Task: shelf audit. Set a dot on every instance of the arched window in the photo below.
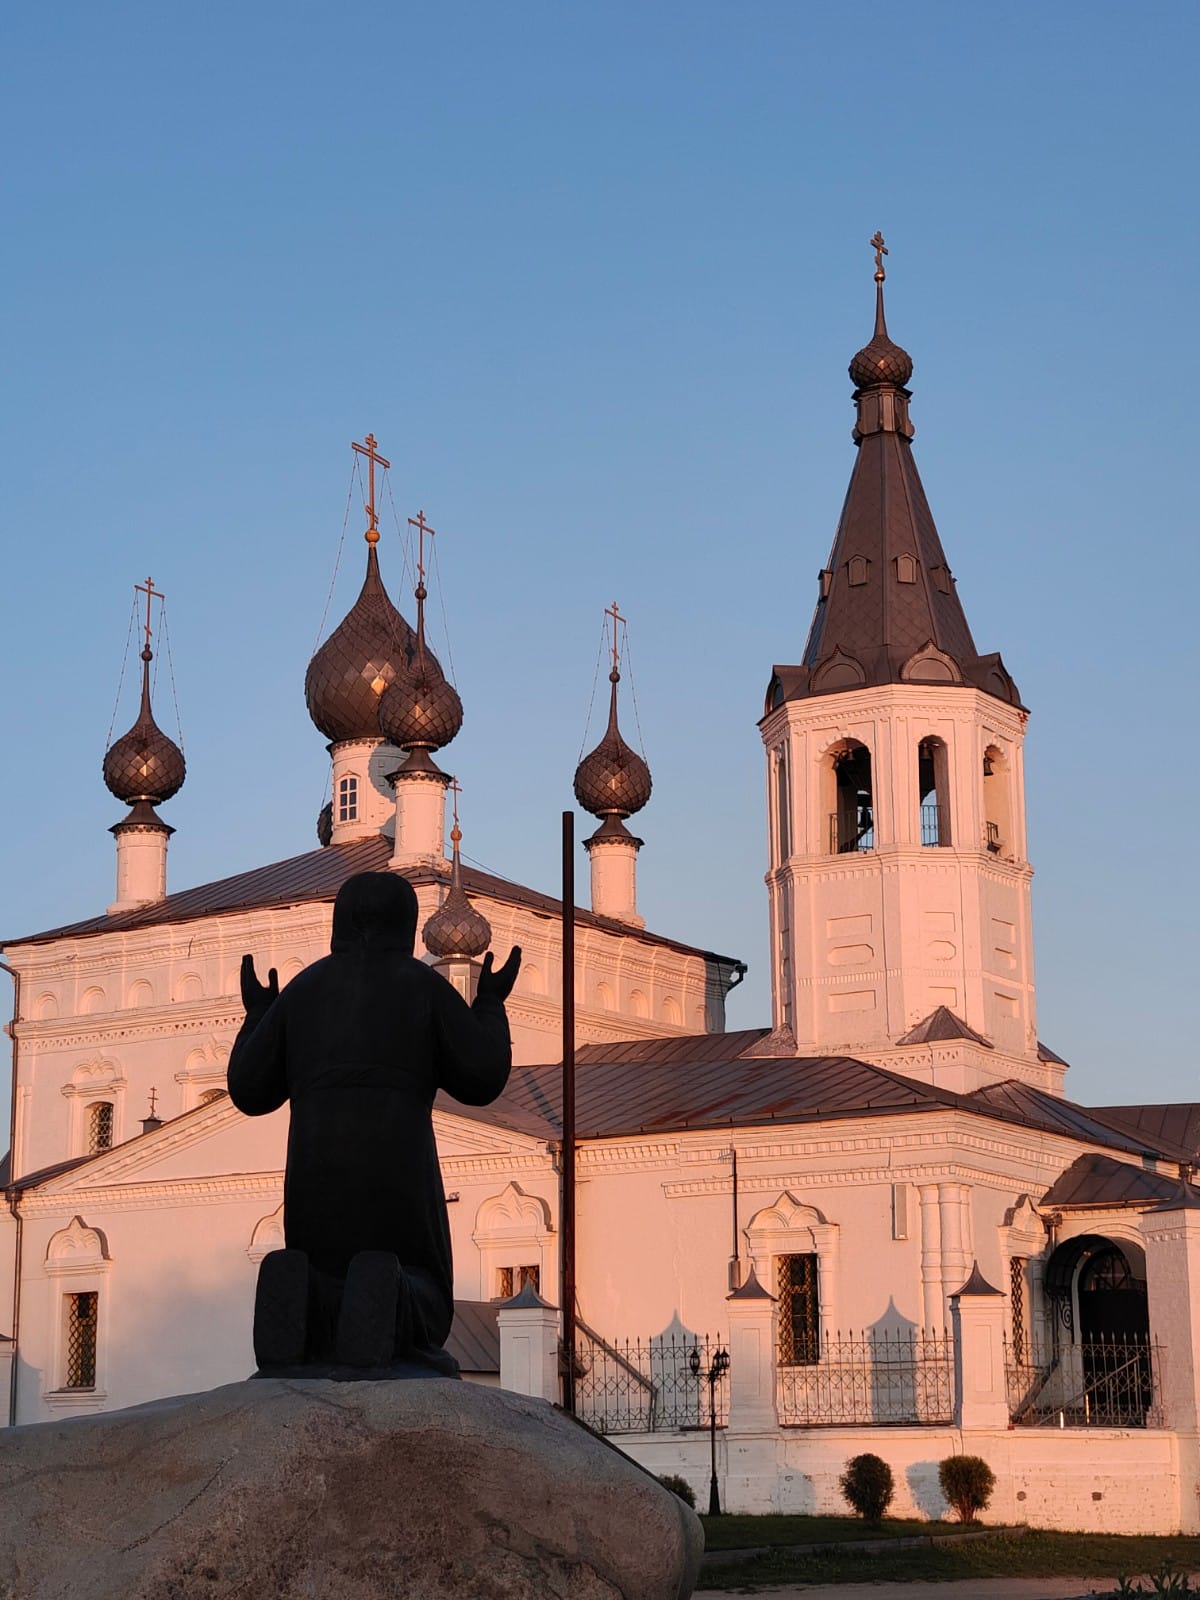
(933, 785)
(347, 801)
(852, 821)
(782, 804)
(99, 1127)
(996, 789)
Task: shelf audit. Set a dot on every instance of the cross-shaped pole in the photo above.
(418, 522)
(373, 457)
(880, 250)
(456, 790)
(611, 611)
(151, 594)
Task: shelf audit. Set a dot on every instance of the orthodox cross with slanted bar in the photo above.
(373, 459)
(418, 522)
(151, 594)
(611, 611)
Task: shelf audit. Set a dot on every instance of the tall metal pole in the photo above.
(567, 1206)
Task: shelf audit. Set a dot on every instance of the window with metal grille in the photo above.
(100, 1127)
(511, 1280)
(348, 800)
(1016, 1303)
(799, 1311)
(82, 1317)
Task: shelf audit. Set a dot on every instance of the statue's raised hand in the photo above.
(257, 996)
(498, 984)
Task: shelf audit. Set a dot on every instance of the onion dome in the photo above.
(420, 709)
(144, 764)
(325, 825)
(348, 675)
(880, 362)
(456, 930)
(613, 780)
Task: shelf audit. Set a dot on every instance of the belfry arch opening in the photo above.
(933, 791)
(997, 810)
(850, 798)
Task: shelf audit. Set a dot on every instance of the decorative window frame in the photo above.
(100, 1079)
(77, 1262)
(513, 1229)
(267, 1235)
(204, 1068)
(788, 1227)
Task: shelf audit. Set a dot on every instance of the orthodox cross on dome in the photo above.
(455, 790)
(615, 615)
(154, 1102)
(880, 250)
(151, 594)
(373, 459)
(418, 522)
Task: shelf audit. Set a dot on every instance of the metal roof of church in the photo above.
(318, 875)
(1176, 1123)
(658, 1086)
(1096, 1180)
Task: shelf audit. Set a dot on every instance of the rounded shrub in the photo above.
(868, 1486)
(967, 1482)
(679, 1486)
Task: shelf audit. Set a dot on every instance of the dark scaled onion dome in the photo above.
(420, 709)
(364, 653)
(325, 825)
(456, 929)
(613, 779)
(144, 764)
(881, 362)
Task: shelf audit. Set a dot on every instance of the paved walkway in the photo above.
(968, 1589)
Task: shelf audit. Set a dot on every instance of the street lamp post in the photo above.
(718, 1369)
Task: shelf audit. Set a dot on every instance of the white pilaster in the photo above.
(612, 851)
(420, 813)
(529, 1346)
(142, 840)
(977, 1319)
(1172, 1235)
(751, 1358)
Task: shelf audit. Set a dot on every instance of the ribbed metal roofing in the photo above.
(1176, 1124)
(1096, 1180)
(658, 1086)
(474, 1339)
(318, 875)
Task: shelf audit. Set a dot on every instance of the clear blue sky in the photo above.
(592, 274)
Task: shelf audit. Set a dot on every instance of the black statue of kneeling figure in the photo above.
(360, 1043)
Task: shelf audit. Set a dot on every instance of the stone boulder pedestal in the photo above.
(304, 1489)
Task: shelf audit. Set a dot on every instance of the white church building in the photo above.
(881, 1203)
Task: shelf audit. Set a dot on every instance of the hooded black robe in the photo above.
(360, 1042)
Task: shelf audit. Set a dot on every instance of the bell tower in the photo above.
(898, 880)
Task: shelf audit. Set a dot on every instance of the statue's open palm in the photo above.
(257, 996)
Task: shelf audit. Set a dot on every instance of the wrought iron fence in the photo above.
(640, 1386)
(1098, 1383)
(873, 1377)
